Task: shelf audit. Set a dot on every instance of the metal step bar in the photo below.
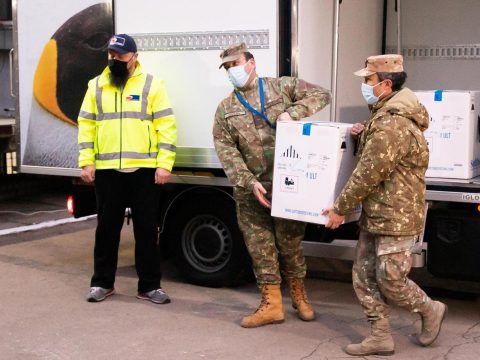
(345, 250)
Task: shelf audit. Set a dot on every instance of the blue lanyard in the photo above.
(262, 103)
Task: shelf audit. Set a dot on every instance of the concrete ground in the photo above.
(44, 315)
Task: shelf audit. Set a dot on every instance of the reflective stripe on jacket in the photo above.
(133, 127)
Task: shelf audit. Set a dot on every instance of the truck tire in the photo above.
(208, 246)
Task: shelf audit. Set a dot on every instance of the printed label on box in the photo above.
(289, 183)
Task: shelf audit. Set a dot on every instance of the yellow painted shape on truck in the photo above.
(45, 81)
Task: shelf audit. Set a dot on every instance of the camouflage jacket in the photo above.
(244, 142)
(389, 180)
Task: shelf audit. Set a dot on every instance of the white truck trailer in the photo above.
(59, 46)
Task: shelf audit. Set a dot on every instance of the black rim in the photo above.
(207, 243)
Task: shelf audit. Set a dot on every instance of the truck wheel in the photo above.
(209, 247)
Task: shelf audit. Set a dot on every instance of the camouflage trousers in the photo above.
(380, 271)
(274, 244)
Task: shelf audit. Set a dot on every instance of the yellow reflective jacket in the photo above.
(133, 127)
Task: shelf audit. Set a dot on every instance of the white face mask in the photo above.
(238, 76)
(368, 95)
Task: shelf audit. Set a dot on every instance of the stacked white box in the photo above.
(313, 161)
(452, 135)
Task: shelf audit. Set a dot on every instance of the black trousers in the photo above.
(115, 191)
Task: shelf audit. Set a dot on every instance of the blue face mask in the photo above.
(368, 95)
(238, 76)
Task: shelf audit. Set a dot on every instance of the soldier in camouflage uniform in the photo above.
(244, 137)
(389, 182)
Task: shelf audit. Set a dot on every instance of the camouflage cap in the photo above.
(389, 63)
(232, 53)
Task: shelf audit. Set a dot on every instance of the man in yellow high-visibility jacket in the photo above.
(127, 141)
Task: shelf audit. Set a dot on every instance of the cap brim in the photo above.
(229, 58)
(364, 72)
(118, 49)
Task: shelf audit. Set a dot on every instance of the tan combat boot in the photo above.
(300, 300)
(270, 310)
(433, 314)
(380, 341)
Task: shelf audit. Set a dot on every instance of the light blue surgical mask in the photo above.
(238, 76)
(368, 95)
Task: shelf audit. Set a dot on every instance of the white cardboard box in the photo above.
(313, 161)
(452, 135)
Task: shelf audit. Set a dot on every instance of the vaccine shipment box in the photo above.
(452, 135)
(313, 161)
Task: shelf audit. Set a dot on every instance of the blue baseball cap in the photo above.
(122, 43)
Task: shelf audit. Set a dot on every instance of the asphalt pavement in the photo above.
(26, 201)
(44, 314)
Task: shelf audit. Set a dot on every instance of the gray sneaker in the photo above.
(97, 293)
(157, 296)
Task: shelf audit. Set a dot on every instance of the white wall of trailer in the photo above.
(194, 83)
(190, 74)
(429, 27)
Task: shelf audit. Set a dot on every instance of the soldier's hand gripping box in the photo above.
(452, 134)
(313, 161)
